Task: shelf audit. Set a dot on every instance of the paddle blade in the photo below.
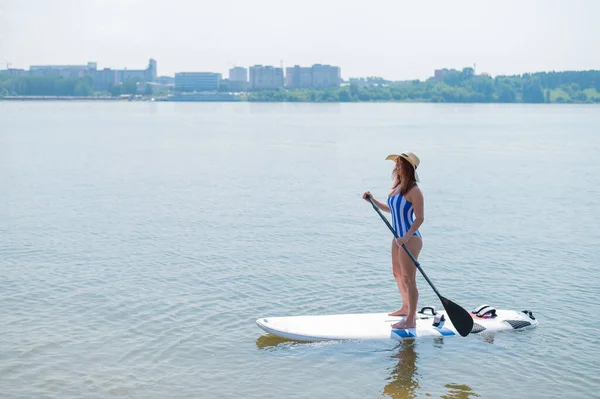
(460, 318)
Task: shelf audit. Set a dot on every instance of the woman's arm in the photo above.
(381, 205)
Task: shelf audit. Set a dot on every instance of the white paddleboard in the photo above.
(379, 325)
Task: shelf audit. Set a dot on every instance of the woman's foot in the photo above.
(404, 324)
(400, 312)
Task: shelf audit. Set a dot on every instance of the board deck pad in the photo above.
(379, 326)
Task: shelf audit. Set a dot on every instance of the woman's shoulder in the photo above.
(414, 191)
(415, 187)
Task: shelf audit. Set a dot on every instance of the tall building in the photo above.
(266, 77)
(197, 81)
(317, 76)
(298, 77)
(105, 79)
(238, 79)
(324, 76)
(238, 74)
(151, 71)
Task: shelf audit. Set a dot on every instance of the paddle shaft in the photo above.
(417, 264)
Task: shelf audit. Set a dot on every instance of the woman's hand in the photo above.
(378, 204)
(402, 241)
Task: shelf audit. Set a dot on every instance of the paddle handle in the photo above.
(417, 264)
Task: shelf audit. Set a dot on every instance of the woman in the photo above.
(405, 203)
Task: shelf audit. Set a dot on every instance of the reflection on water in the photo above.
(403, 381)
(404, 378)
(457, 391)
(487, 338)
(269, 341)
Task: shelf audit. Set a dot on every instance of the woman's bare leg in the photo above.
(409, 275)
(397, 269)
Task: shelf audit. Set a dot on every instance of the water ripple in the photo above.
(141, 241)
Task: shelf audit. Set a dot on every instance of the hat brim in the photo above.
(394, 157)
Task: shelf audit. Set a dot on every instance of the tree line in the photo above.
(57, 86)
(454, 86)
(45, 86)
(458, 87)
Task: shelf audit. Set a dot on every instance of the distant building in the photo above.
(165, 80)
(64, 71)
(138, 75)
(369, 82)
(317, 76)
(236, 86)
(13, 72)
(238, 74)
(154, 88)
(197, 81)
(298, 77)
(326, 76)
(103, 79)
(266, 78)
(359, 82)
(151, 71)
(439, 74)
(238, 79)
(125, 75)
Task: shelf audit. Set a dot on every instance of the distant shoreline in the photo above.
(448, 86)
(239, 100)
(60, 98)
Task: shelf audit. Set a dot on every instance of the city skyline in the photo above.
(390, 39)
(140, 66)
(94, 65)
(225, 74)
(240, 79)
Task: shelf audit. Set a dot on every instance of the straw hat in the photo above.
(411, 157)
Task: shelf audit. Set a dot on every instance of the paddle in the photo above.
(460, 318)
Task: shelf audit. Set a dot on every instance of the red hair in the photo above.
(403, 175)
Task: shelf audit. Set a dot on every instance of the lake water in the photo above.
(139, 242)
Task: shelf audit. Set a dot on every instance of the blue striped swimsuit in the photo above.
(403, 215)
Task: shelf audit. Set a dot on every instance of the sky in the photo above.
(397, 40)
